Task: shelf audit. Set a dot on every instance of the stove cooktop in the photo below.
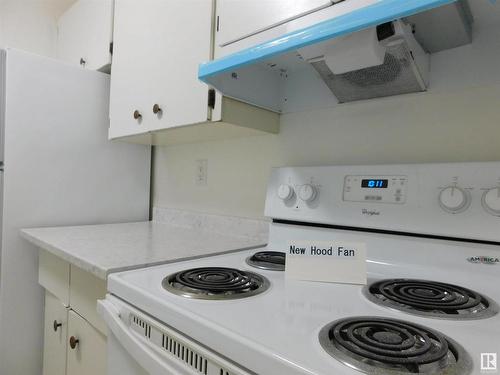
(277, 332)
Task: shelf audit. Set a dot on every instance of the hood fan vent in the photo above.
(398, 74)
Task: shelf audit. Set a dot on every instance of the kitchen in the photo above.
(211, 188)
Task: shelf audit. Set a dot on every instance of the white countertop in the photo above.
(103, 249)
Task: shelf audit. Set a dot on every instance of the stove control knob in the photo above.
(454, 199)
(308, 193)
(285, 192)
(491, 201)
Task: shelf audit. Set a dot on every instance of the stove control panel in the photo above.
(375, 189)
(460, 200)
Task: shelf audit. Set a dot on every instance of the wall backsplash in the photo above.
(235, 226)
(459, 125)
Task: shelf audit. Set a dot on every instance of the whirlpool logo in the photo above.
(484, 260)
(370, 213)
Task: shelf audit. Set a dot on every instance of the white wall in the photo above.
(458, 119)
(462, 126)
(31, 25)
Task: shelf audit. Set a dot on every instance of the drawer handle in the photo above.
(73, 342)
(157, 109)
(137, 115)
(56, 325)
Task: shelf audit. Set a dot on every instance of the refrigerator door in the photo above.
(60, 169)
(2, 101)
(1, 216)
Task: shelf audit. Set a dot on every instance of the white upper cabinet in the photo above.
(158, 45)
(85, 34)
(237, 19)
(156, 96)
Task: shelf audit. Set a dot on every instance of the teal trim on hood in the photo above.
(369, 16)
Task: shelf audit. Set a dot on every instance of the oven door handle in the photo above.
(152, 362)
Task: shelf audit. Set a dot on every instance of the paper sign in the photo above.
(328, 261)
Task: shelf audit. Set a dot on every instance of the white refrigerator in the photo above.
(58, 169)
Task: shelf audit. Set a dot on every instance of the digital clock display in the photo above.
(374, 184)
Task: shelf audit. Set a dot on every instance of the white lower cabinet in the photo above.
(85, 290)
(86, 348)
(74, 335)
(55, 335)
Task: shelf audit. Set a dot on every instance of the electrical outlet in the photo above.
(201, 177)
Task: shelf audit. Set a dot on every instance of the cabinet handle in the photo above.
(156, 109)
(56, 325)
(137, 115)
(73, 342)
(82, 61)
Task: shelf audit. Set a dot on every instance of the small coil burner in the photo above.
(268, 260)
(430, 299)
(375, 345)
(216, 283)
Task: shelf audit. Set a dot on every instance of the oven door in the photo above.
(127, 353)
(120, 361)
(138, 344)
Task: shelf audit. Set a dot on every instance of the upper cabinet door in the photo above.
(131, 70)
(85, 32)
(238, 19)
(158, 45)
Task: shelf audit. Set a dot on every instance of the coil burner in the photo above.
(215, 283)
(430, 299)
(268, 260)
(376, 345)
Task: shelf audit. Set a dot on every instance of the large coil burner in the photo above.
(216, 283)
(430, 299)
(376, 345)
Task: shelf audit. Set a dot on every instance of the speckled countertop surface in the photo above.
(103, 249)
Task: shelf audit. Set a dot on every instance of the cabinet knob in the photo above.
(156, 109)
(82, 61)
(137, 115)
(56, 325)
(73, 342)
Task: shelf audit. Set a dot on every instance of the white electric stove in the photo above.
(432, 234)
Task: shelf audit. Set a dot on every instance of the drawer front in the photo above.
(53, 275)
(85, 290)
(55, 336)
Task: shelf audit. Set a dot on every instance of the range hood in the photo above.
(374, 51)
(377, 62)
